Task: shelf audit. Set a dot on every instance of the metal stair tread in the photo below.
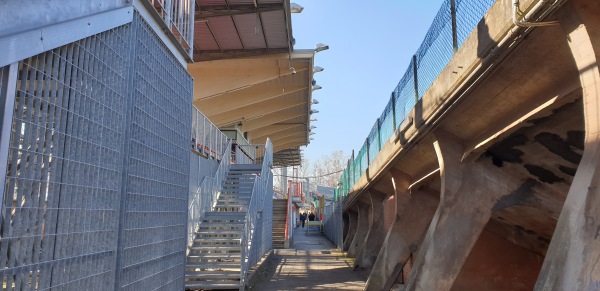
(219, 231)
(213, 265)
(217, 248)
(215, 255)
(212, 285)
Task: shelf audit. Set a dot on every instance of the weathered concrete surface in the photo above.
(492, 260)
(376, 234)
(352, 215)
(522, 168)
(574, 252)
(468, 194)
(362, 227)
(403, 238)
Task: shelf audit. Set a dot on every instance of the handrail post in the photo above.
(393, 100)
(415, 78)
(454, 27)
(379, 133)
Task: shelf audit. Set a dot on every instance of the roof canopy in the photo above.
(261, 96)
(240, 28)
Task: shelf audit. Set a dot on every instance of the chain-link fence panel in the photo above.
(468, 15)
(436, 50)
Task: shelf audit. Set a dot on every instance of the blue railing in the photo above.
(453, 23)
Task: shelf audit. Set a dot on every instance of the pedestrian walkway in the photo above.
(313, 263)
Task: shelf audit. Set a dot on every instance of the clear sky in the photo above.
(371, 44)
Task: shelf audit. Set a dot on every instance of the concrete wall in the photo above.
(508, 137)
(495, 263)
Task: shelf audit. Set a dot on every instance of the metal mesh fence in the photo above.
(468, 15)
(404, 94)
(441, 40)
(98, 161)
(63, 184)
(373, 143)
(436, 50)
(333, 223)
(386, 122)
(155, 215)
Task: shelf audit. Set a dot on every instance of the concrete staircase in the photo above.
(279, 218)
(214, 261)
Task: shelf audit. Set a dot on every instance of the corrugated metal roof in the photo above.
(238, 28)
(225, 32)
(250, 31)
(238, 2)
(276, 36)
(203, 39)
(210, 2)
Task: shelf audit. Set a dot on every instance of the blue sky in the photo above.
(371, 44)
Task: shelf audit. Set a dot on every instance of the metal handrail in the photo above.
(255, 238)
(178, 17)
(207, 195)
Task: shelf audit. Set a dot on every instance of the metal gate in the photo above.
(96, 176)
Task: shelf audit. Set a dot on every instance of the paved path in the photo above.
(312, 264)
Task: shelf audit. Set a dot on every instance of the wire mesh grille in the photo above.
(98, 175)
(155, 222)
(436, 50)
(59, 215)
(373, 142)
(468, 15)
(386, 123)
(405, 94)
(434, 54)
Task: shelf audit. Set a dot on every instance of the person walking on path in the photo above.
(311, 216)
(302, 218)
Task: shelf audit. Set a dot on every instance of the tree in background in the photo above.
(326, 171)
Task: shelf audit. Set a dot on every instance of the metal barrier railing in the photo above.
(95, 165)
(205, 197)
(333, 223)
(178, 16)
(256, 237)
(455, 20)
(207, 139)
(249, 154)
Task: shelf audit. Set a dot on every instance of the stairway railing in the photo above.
(256, 236)
(207, 195)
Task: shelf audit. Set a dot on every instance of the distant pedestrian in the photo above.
(302, 218)
(311, 216)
